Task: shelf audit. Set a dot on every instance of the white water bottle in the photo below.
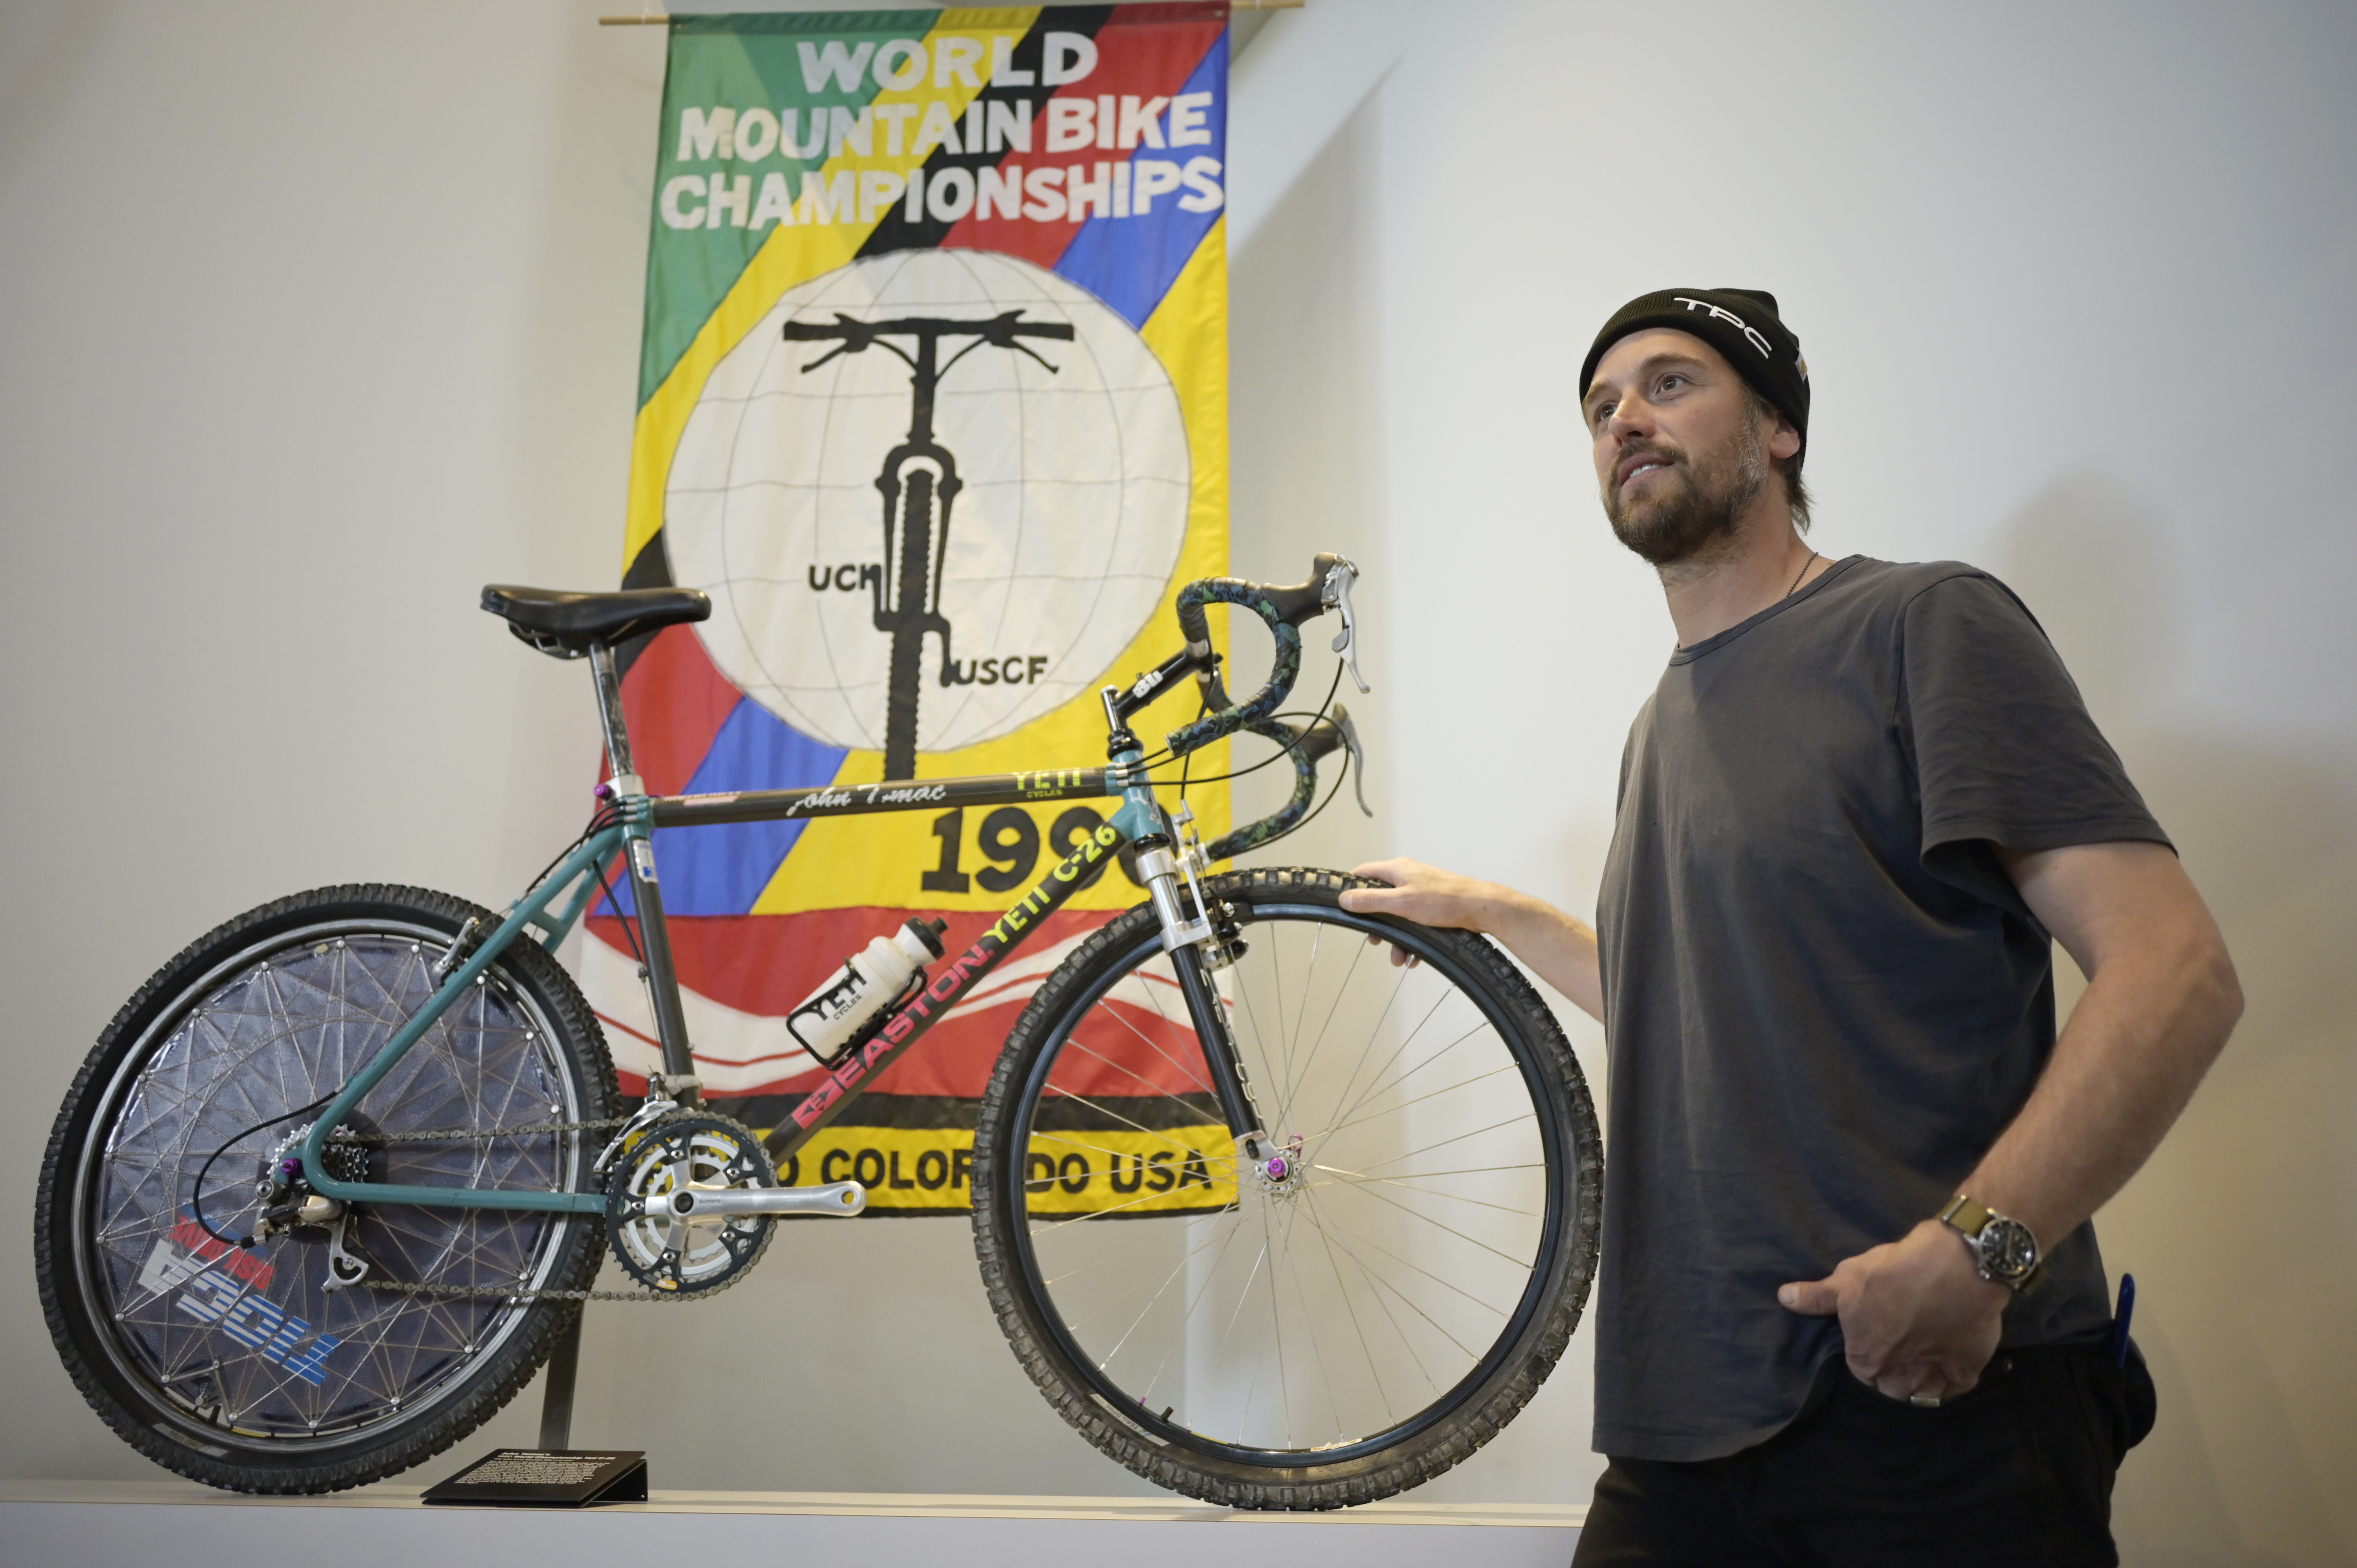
(830, 1016)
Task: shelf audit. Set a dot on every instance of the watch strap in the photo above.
(1967, 1216)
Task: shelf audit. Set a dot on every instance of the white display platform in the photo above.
(189, 1526)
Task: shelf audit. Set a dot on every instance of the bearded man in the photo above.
(1851, 1309)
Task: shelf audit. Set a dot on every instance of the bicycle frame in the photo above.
(1140, 819)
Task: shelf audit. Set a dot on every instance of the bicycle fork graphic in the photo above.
(919, 484)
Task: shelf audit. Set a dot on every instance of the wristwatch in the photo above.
(2002, 1247)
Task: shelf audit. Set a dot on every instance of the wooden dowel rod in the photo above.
(662, 18)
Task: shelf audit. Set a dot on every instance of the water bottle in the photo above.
(831, 1016)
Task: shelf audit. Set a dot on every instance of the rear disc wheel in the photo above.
(239, 1366)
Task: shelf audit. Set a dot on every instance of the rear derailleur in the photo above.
(288, 1204)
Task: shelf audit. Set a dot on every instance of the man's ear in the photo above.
(1786, 439)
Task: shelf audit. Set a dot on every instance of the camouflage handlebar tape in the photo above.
(1286, 818)
(1283, 672)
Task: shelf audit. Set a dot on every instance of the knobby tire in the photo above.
(234, 1366)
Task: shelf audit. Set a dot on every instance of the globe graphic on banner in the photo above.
(1010, 554)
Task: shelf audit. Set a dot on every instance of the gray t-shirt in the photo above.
(1824, 997)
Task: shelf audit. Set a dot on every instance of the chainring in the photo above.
(667, 1252)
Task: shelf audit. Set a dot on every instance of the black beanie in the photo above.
(1740, 323)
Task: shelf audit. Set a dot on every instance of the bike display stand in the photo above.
(554, 1475)
(556, 1398)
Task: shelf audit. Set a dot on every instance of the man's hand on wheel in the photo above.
(1917, 1319)
(1426, 895)
(1561, 949)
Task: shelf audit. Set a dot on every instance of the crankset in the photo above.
(688, 1205)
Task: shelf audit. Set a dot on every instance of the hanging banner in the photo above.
(933, 405)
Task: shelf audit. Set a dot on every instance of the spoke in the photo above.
(1145, 1242)
(1067, 1141)
(1294, 1086)
(1177, 1269)
(1377, 1284)
(1433, 1094)
(1130, 1122)
(1444, 1142)
(1425, 1175)
(1309, 985)
(1439, 1225)
(1310, 1324)
(1343, 1290)
(1093, 1053)
(1399, 985)
(1352, 1179)
(1243, 995)
(1243, 1296)
(1277, 970)
(1277, 1329)
(1378, 1084)
(1174, 1026)
(1106, 1005)
(1404, 1299)
(1039, 1228)
(1212, 1273)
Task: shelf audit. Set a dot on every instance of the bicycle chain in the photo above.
(470, 1135)
(450, 1292)
(465, 1292)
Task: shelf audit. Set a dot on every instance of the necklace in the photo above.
(1803, 571)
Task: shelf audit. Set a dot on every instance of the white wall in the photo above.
(315, 318)
(2068, 279)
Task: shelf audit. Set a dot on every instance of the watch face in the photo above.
(2006, 1247)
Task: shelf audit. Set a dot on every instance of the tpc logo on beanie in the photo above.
(1740, 323)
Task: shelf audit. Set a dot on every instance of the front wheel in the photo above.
(242, 1366)
(1330, 1327)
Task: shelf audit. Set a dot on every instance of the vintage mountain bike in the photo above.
(1269, 1219)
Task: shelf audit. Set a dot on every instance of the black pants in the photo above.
(2017, 1471)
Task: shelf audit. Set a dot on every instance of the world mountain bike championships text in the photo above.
(1047, 191)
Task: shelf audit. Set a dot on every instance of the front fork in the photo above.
(1166, 864)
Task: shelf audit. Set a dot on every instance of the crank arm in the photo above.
(842, 1198)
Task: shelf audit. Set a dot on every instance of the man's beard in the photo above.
(1697, 517)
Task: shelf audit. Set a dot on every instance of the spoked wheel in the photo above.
(1337, 1324)
(239, 1366)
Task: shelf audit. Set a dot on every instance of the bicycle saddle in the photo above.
(567, 626)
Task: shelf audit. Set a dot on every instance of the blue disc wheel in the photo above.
(247, 1366)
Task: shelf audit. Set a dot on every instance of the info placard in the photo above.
(533, 1477)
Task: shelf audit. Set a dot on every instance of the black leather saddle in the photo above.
(567, 626)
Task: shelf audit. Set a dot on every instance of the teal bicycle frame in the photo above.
(1140, 820)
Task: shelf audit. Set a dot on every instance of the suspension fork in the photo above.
(1142, 821)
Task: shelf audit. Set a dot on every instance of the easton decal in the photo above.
(218, 1286)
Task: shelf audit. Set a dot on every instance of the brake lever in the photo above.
(1335, 593)
(1342, 720)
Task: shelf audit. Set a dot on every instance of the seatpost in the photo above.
(610, 714)
(646, 894)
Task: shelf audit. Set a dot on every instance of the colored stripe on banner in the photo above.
(1130, 256)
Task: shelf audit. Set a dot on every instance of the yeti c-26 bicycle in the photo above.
(1269, 1219)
